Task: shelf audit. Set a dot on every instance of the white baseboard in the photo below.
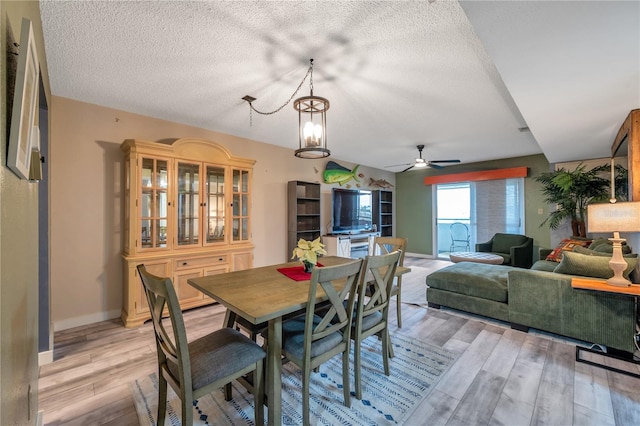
(45, 358)
(84, 320)
(40, 418)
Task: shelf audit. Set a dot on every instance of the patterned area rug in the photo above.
(415, 370)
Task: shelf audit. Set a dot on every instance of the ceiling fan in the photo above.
(420, 162)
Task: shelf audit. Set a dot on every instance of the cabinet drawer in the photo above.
(195, 262)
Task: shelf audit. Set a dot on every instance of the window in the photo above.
(485, 207)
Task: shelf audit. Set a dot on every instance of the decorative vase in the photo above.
(308, 267)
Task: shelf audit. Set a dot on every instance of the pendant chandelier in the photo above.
(312, 120)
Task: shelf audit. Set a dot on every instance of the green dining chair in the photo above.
(199, 367)
(372, 309)
(319, 335)
(382, 245)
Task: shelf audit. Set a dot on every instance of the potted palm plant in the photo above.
(571, 192)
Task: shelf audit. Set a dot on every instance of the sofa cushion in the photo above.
(473, 279)
(603, 245)
(544, 265)
(590, 266)
(502, 243)
(567, 244)
(607, 254)
(597, 242)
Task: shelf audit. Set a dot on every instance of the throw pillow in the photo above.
(591, 252)
(567, 244)
(590, 266)
(597, 242)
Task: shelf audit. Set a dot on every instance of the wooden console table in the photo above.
(602, 286)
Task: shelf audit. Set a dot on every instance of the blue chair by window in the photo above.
(460, 236)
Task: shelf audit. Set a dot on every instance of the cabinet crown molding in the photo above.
(188, 149)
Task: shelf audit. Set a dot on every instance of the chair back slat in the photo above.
(338, 317)
(386, 245)
(375, 285)
(374, 292)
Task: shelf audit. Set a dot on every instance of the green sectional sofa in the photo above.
(538, 299)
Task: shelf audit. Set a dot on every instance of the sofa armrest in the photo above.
(485, 247)
(543, 253)
(522, 255)
(546, 301)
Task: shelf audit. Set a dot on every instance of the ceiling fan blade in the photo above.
(399, 165)
(408, 168)
(434, 166)
(444, 161)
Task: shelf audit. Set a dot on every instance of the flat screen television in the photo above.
(352, 210)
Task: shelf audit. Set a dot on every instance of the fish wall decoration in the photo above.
(380, 183)
(335, 173)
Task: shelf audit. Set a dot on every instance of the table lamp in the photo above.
(616, 218)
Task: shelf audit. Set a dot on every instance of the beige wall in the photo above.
(18, 248)
(86, 209)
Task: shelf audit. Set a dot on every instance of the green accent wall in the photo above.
(414, 204)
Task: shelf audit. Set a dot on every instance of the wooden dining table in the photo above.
(262, 295)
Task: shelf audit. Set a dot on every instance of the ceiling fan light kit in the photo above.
(312, 120)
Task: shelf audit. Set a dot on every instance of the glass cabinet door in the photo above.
(240, 216)
(215, 204)
(188, 208)
(153, 203)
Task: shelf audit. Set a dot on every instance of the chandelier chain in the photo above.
(309, 72)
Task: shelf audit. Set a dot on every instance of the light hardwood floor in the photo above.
(501, 376)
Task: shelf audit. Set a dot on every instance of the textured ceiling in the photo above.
(459, 77)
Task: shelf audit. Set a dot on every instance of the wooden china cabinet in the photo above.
(186, 214)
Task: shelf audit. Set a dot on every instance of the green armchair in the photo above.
(515, 249)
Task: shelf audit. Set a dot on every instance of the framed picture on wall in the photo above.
(25, 99)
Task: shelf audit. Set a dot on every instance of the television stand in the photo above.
(349, 245)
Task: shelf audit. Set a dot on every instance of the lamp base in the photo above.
(617, 263)
(619, 282)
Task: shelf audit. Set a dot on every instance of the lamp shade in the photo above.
(616, 217)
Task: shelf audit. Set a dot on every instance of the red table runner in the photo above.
(296, 273)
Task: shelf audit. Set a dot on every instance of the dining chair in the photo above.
(385, 245)
(199, 367)
(372, 309)
(319, 335)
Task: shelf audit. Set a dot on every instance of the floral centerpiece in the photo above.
(307, 252)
